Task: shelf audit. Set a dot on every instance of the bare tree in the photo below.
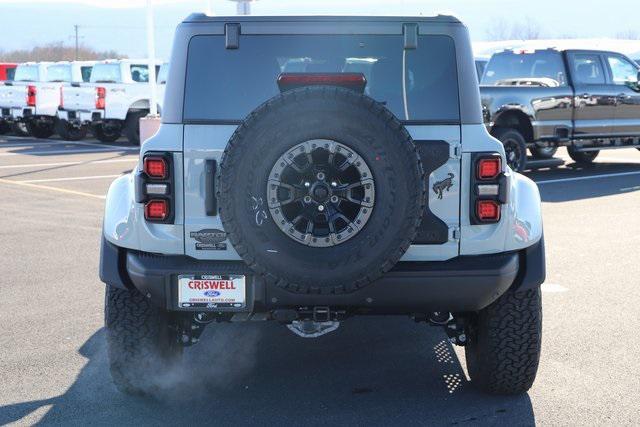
(527, 30)
(498, 30)
(56, 51)
(628, 35)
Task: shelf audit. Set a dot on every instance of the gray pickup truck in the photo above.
(582, 99)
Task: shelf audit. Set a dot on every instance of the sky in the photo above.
(119, 24)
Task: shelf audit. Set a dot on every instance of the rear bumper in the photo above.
(81, 116)
(12, 114)
(466, 283)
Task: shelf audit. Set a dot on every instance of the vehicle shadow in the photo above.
(375, 371)
(572, 182)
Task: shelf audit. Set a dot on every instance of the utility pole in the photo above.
(75, 27)
(243, 7)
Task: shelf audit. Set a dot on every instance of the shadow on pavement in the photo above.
(376, 371)
(570, 188)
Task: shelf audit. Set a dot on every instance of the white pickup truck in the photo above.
(114, 100)
(32, 100)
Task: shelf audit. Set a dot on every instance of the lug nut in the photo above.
(334, 199)
(334, 184)
(321, 176)
(307, 199)
(306, 184)
(320, 208)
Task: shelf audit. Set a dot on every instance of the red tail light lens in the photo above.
(156, 210)
(32, 91)
(355, 81)
(101, 95)
(489, 168)
(488, 210)
(155, 167)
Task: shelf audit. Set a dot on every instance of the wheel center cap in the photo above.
(320, 192)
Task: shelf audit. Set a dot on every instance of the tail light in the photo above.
(101, 95)
(489, 168)
(490, 188)
(156, 210)
(32, 91)
(488, 210)
(155, 167)
(61, 99)
(154, 187)
(354, 81)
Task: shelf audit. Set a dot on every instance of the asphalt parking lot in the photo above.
(378, 371)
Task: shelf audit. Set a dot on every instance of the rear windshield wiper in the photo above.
(105, 81)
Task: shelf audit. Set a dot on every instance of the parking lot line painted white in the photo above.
(39, 165)
(63, 151)
(6, 144)
(73, 178)
(46, 187)
(581, 178)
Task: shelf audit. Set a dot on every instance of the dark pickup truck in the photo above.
(582, 99)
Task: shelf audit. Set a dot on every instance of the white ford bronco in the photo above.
(310, 169)
(114, 100)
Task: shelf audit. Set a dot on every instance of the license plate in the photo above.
(212, 291)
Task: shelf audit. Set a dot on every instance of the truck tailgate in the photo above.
(79, 98)
(13, 96)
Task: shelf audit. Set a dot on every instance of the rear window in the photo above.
(11, 73)
(86, 73)
(106, 73)
(59, 73)
(26, 73)
(227, 84)
(140, 73)
(505, 67)
(162, 74)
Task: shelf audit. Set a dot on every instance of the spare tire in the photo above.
(321, 190)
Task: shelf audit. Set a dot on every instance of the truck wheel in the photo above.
(543, 152)
(19, 129)
(321, 190)
(132, 126)
(515, 148)
(68, 132)
(107, 133)
(582, 156)
(39, 129)
(504, 344)
(140, 343)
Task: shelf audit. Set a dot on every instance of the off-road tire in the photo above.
(582, 157)
(132, 126)
(69, 132)
(543, 152)
(515, 147)
(19, 129)
(141, 345)
(106, 135)
(503, 349)
(351, 119)
(40, 130)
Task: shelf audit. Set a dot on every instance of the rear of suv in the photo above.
(310, 169)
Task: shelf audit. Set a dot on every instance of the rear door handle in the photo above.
(210, 199)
